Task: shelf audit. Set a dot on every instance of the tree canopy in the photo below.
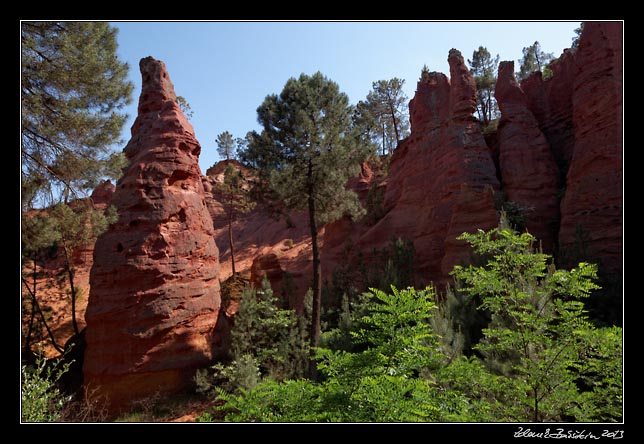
(307, 151)
(226, 145)
(73, 87)
(534, 59)
(384, 115)
(484, 71)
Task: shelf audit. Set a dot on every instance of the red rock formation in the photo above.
(102, 194)
(592, 204)
(154, 297)
(550, 102)
(529, 174)
(440, 180)
(266, 266)
(261, 232)
(462, 102)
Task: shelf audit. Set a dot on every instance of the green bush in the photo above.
(538, 358)
(266, 341)
(379, 383)
(41, 399)
(539, 340)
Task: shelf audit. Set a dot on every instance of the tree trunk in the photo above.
(489, 105)
(314, 334)
(536, 406)
(70, 275)
(384, 139)
(32, 316)
(230, 234)
(393, 119)
(58, 348)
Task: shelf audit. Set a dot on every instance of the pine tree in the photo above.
(384, 114)
(534, 59)
(537, 343)
(185, 107)
(73, 87)
(226, 145)
(234, 195)
(39, 234)
(307, 153)
(575, 39)
(483, 68)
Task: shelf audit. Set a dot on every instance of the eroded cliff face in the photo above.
(154, 298)
(579, 110)
(529, 174)
(591, 209)
(557, 137)
(441, 180)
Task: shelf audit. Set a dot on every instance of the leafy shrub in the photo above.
(41, 399)
(538, 336)
(538, 357)
(266, 341)
(378, 383)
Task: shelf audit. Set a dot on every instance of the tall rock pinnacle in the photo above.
(529, 174)
(154, 297)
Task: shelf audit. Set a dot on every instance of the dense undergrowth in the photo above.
(511, 341)
(406, 355)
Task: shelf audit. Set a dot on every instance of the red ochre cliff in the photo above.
(154, 298)
(441, 179)
(592, 204)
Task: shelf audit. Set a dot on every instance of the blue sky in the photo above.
(226, 69)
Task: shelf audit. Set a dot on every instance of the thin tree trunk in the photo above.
(536, 406)
(393, 118)
(58, 348)
(489, 105)
(30, 325)
(230, 233)
(384, 139)
(70, 275)
(317, 278)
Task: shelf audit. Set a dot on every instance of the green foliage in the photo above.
(396, 330)
(226, 145)
(306, 152)
(397, 356)
(185, 107)
(338, 337)
(483, 68)
(534, 59)
(384, 116)
(73, 87)
(424, 73)
(39, 232)
(538, 329)
(447, 328)
(41, 399)
(600, 368)
(64, 228)
(575, 39)
(260, 327)
(307, 148)
(375, 384)
(394, 265)
(241, 374)
(266, 342)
